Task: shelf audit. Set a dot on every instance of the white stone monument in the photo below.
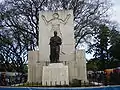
(62, 22)
(73, 64)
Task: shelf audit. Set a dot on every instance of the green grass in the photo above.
(30, 85)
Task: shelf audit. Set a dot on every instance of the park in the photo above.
(44, 45)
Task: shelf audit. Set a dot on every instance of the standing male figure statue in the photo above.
(55, 43)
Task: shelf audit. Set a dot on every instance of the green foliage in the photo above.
(94, 65)
(102, 42)
(100, 47)
(115, 44)
(30, 85)
(106, 49)
(115, 51)
(75, 83)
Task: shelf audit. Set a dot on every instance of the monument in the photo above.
(57, 62)
(55, 43)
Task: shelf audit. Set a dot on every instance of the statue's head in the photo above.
(55, 33)
(55, 15)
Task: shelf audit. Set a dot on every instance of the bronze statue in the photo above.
(55, 43)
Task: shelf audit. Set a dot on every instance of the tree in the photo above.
(92, 65)
(106, 47)
(100, 47)
(20, 21)
(114, 49)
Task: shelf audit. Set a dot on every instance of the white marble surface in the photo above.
(55, 74)
(81, 65)
(65, 30)
(33, 57)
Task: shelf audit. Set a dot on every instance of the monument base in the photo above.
(55, 74)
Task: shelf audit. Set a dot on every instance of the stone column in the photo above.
(32, 59)
(81, 65)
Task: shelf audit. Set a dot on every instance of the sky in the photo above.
(116, 11)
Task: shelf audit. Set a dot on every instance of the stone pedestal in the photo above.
(55, 74)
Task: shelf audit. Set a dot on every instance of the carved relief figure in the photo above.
(55, 22)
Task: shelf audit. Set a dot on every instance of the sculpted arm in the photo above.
(50, 41)
(44, 19)
(66, 19)
(60, 41)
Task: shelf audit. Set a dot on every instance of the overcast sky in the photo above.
(116, 10)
